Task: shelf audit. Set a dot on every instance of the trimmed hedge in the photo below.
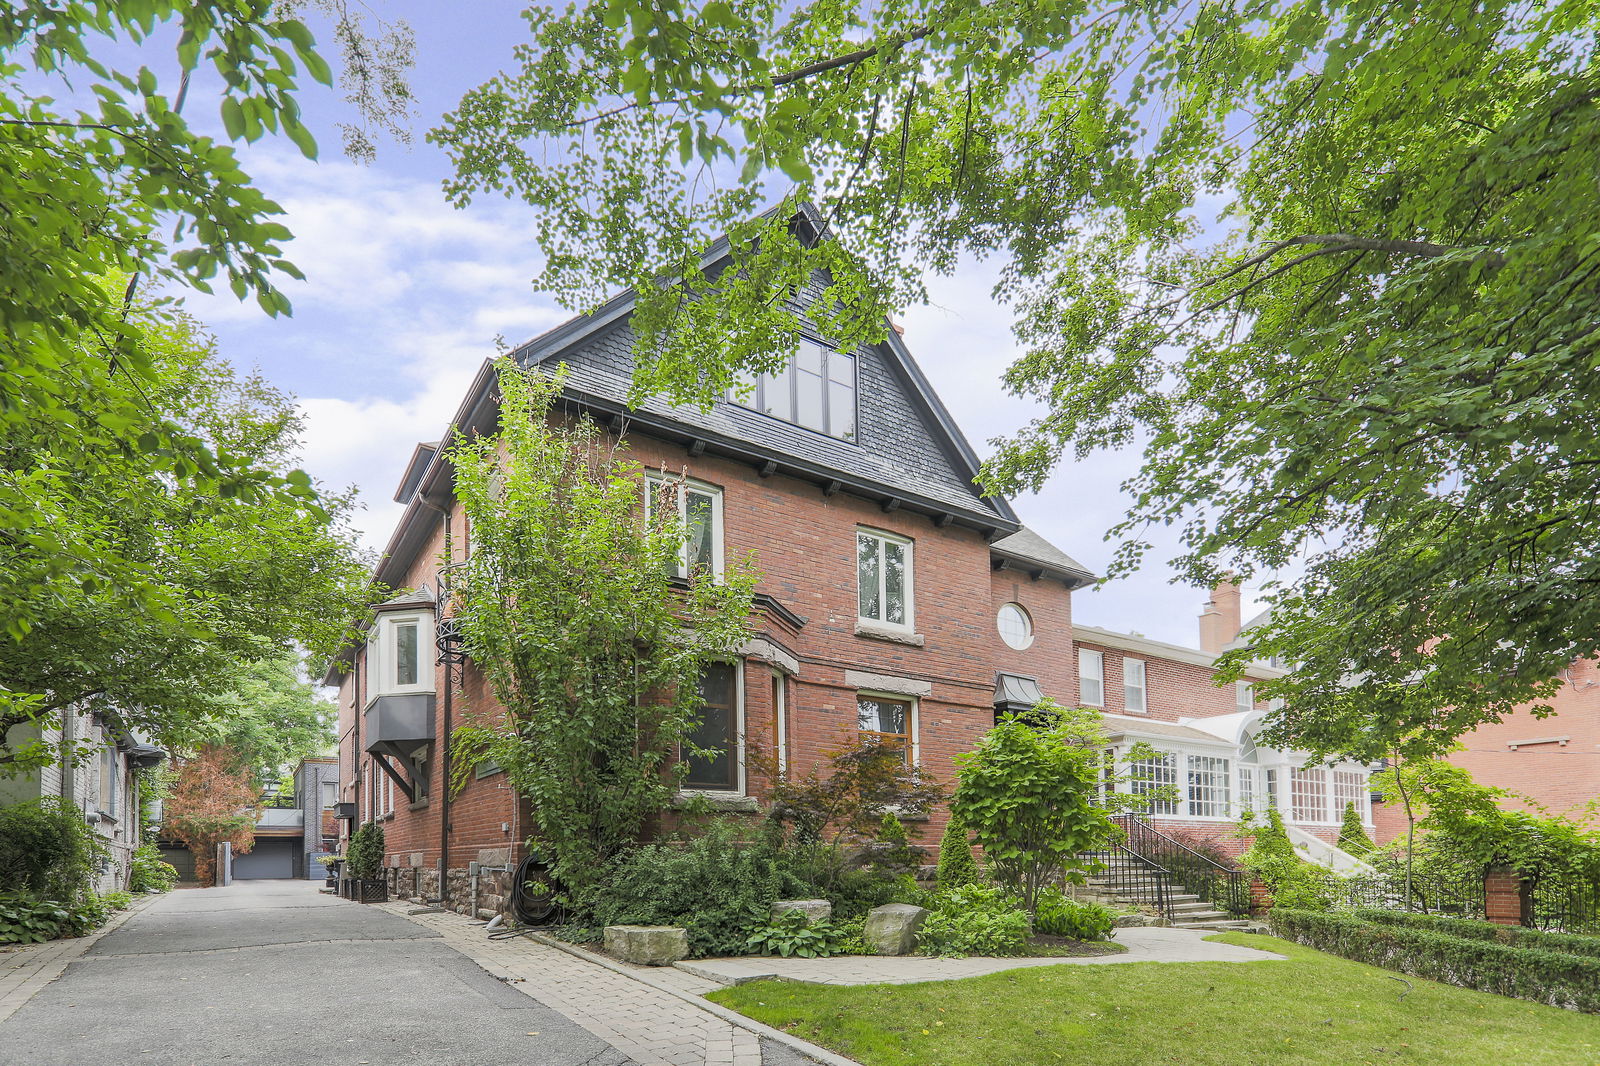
(1514, 935)
(1551, 977)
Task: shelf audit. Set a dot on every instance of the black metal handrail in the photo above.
(1222, 886)
(1133, 876)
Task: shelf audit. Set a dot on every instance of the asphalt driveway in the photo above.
(273, 973)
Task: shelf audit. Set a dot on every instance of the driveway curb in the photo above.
(42, 963)
(732, 1017)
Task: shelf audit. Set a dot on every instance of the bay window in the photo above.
(1148, 775)
(1308, 795)
(1208, 787)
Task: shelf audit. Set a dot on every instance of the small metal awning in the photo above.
(401, 728)
(1014, 693)
(145, 756)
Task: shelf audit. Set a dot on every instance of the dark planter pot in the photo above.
(346, 888)
(371, 890)
(331, 882)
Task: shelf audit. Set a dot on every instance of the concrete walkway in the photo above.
(1144, 944)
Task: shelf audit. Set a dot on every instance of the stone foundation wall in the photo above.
(420, 884)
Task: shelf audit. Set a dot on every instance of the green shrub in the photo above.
(957, 867)
(1514, 935)
(1293, 882)
(1353, 839)
(850, 937)
(118, 901)
(26, 919)
(716, 887)
(1555, 978)
(149, 872)
(793, 934)
(47, 850)
(1057, 915)
(365, 859)
(86, 915)
(975, 920)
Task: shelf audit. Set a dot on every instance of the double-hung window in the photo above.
(1348, 788)
(715, 766)
(699, 514)
(883, 578)
(886, 720)
(1091, 678)
(1244, 696)
(816, 390)
(1133, 690)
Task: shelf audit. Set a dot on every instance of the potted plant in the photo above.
(363, 863)
(330, 865)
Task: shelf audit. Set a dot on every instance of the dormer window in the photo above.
(816, 391)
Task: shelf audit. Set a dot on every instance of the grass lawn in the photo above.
(1313, 1008)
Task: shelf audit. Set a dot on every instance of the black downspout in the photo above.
(444, 738)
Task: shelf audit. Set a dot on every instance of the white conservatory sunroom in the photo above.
(1221, 773)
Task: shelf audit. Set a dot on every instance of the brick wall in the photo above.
(804, 544)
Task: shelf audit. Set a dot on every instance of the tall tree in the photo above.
(181, 587)
(1334, 265)
(213, 801)
(570, 607)
(101, 173)
(270, 717)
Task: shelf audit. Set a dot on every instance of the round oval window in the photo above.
(1016, 627)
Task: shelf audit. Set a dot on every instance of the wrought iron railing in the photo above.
(1460, 897)
(1132, 876)
(1222, 886)
(1567, 907)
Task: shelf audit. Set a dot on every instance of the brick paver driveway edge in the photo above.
(733, 1017)
(29, 967)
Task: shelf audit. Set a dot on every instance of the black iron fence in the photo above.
(1566, 907)
(1222, 886)
(1460, 897)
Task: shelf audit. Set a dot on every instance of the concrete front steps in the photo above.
(1189, 911)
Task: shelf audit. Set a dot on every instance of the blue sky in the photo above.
(405, 296)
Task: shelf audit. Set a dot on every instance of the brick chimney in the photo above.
(1219, 622)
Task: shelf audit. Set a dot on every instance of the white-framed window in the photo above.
(816, 390)
(699, 508)
(1091, 678)
(889, 720)
(397, 654)
(780, 718)
(720, 733)
(1247, 789)
(108, 780)
(1133, 686)
(883, 578)
(1244, 696)
(1349, 787)
(1015, 625)
(1308, 795)
(330, 794)
(1208, 787)
(1147, 775)
(1269, 787)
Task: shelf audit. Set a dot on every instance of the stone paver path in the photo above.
(652, 1014)
(1148, 944)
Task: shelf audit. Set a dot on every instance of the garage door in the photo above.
(271, 857)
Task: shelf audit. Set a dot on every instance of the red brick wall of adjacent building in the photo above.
(804, 548)
(1173, 689)
(1561, 773)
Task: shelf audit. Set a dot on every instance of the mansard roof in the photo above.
(907, 452)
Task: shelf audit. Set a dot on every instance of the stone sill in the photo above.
(718, 801)
(892, 634)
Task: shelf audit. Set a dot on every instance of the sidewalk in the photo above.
(654, 1015)
(1144, 944)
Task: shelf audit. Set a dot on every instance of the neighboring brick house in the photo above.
(894, 598)
(1166, 696)
(316, 789)
(103, 782)
(1553, 761)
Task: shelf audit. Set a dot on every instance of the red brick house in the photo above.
(894, 597)
(1166, 696)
